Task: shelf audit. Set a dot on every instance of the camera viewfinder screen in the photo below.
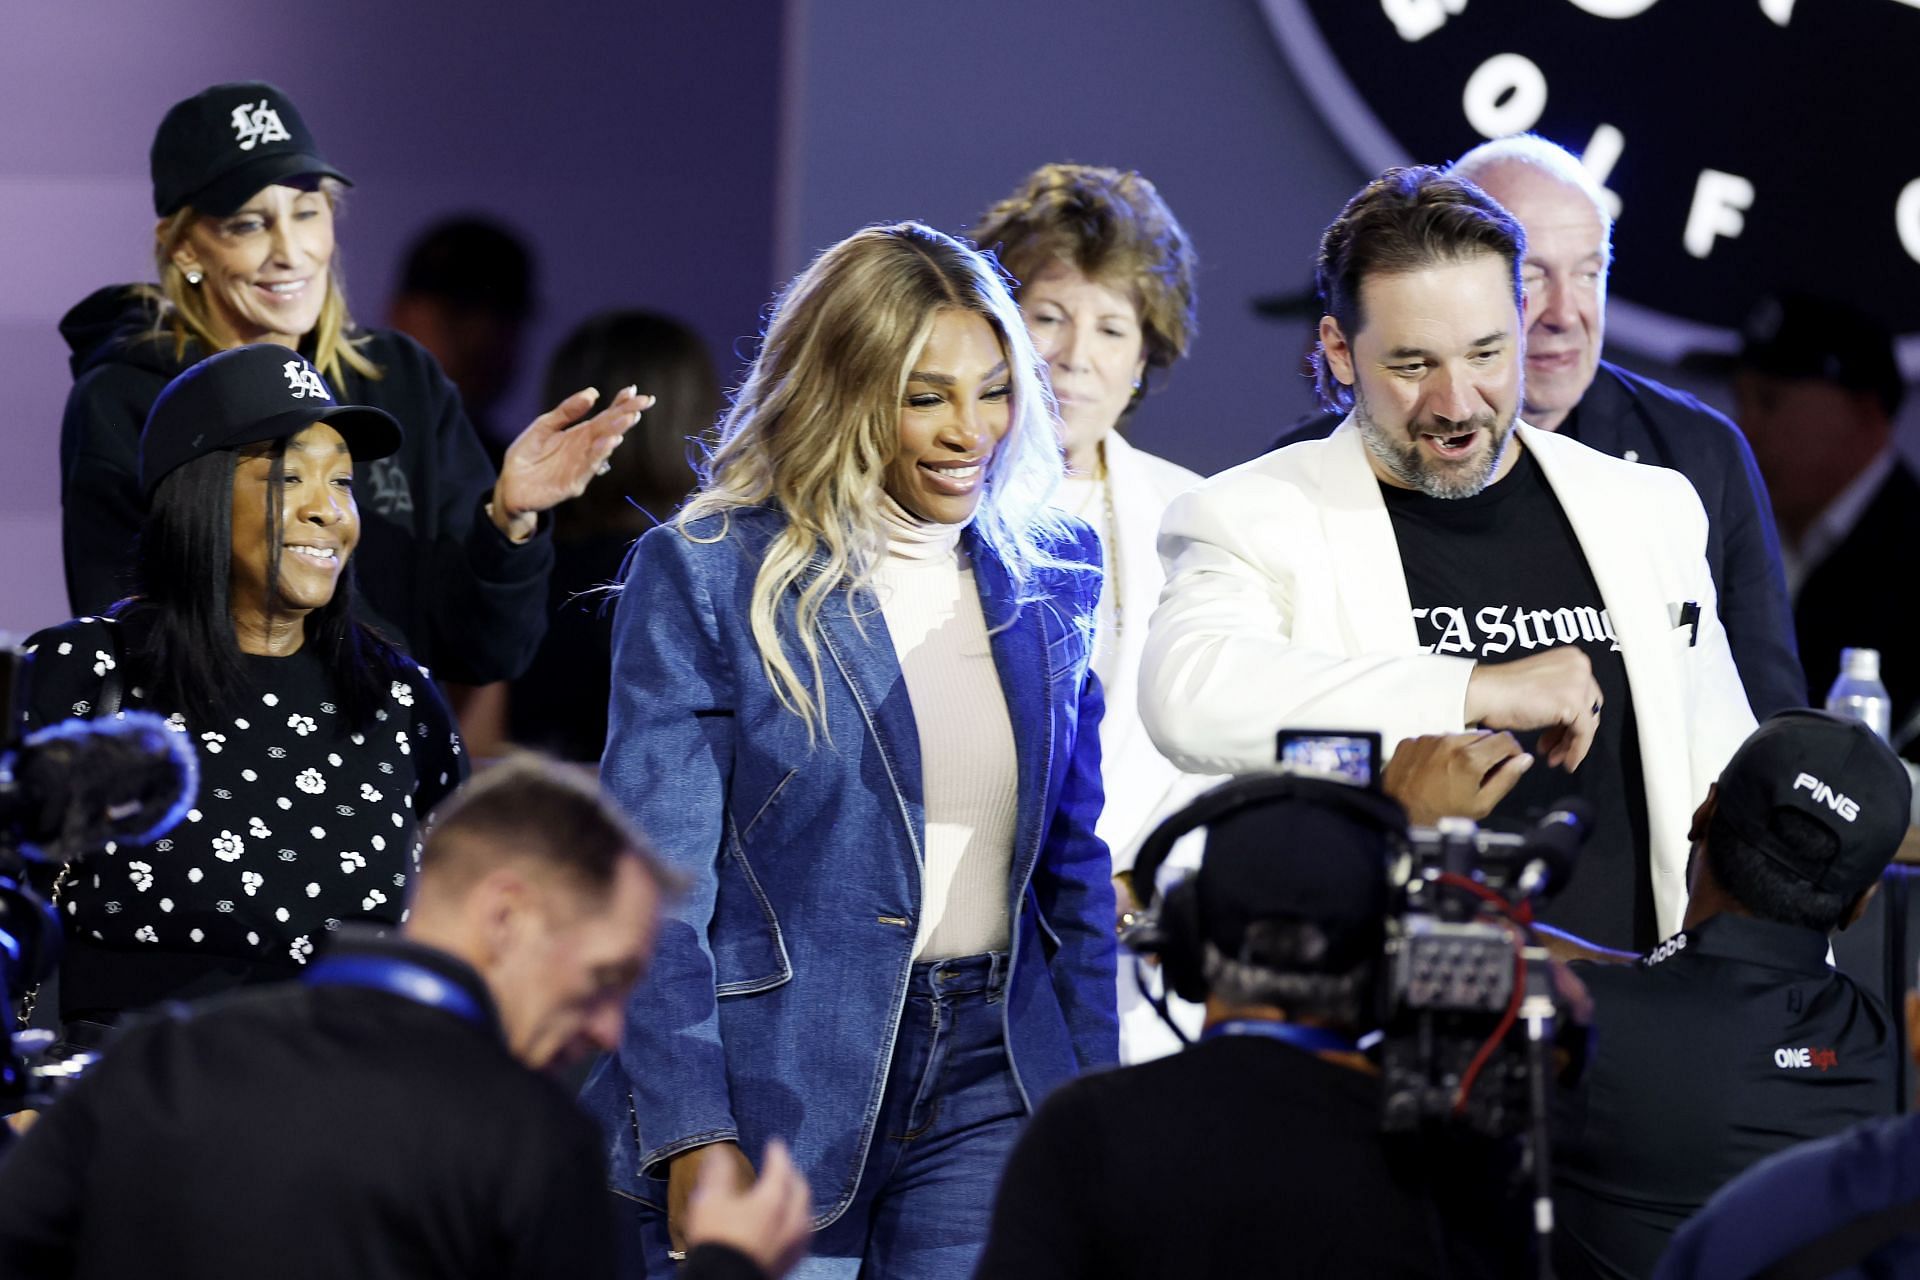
(1342, 757)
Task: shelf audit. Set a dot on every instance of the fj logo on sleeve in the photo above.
(254, 123)
(304, 382)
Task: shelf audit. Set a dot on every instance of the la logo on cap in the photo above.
(304, 382)
(254, 123)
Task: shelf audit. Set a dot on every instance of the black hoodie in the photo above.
(433, 570)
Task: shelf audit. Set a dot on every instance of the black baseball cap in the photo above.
(1828, 768)
(219, 147)
(244, 396)
(1800, 335)
(1294, 858)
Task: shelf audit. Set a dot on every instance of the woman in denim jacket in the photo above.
(852, 704)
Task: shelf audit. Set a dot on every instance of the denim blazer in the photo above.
(780, 972)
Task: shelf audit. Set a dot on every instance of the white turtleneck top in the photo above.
(969, 779)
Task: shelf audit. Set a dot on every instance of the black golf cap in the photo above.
(1295, 858)
(247, 395)
(219, 147)
(1831, 770)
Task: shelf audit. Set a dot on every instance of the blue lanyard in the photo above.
(398, 977)
(1312, 1039)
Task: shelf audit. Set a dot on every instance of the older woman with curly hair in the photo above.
(1106, 283)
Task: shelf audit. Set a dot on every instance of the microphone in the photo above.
(1549, 850)
(75, 785)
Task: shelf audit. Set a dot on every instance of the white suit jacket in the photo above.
(1286, 606)
(1142, 785)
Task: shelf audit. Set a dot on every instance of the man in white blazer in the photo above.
(1437, 565)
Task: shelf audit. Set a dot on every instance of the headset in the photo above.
(1171, 927)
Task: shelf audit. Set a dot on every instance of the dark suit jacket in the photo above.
(1857, 597)
(1636, 418)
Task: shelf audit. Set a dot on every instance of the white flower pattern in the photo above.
(360, 775)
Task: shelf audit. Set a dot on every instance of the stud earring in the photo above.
(194, 277)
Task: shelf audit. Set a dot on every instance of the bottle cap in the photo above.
(1860, 664)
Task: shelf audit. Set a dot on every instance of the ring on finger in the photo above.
(606, 466)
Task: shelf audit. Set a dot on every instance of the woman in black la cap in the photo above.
(321, 746)
(454, 562)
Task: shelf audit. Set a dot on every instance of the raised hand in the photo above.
(557, 455)
(1454, 775)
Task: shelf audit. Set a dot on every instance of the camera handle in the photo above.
(1537, 1011)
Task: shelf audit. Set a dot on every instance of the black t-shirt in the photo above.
(1239, 1157)
(1726, 1044)
(1499, 577)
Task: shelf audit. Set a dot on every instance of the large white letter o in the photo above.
(1505, 95)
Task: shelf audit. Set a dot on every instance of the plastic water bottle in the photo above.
(1858, 694)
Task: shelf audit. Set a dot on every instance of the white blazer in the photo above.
(1286, 606)
(1142, 785)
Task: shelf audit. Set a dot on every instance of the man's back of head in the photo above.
(1290, 903)
(530, 876)
(1803, 821)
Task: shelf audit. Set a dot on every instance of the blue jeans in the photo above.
(947, 1120)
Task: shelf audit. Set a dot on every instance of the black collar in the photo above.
(359, 941)
(1751, 941)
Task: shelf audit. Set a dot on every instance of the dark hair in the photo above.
(529, 807)
(471, 263)
(666, 359)
(1112, 227)
(1405, 220)
(1766, 888)
(182, 644)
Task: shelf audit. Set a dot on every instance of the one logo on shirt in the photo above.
(1805, 1059)
(1845, 806)
(1499, 628)
(254, 123)
(304, 382)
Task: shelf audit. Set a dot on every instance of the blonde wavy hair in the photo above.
(182, 314)
(817, 420)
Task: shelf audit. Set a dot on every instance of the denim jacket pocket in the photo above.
(1049, 939)
(749, 954)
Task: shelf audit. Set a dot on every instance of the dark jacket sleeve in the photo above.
(482, 598)
(43, 1189)
(1753, 587)
(1043, 1226)
(100, 500)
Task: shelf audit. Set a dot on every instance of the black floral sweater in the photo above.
(303, 822)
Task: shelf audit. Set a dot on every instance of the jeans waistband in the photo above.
(984, 974)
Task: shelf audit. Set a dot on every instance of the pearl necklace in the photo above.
(1109, 537)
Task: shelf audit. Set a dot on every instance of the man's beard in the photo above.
(1405, 461)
